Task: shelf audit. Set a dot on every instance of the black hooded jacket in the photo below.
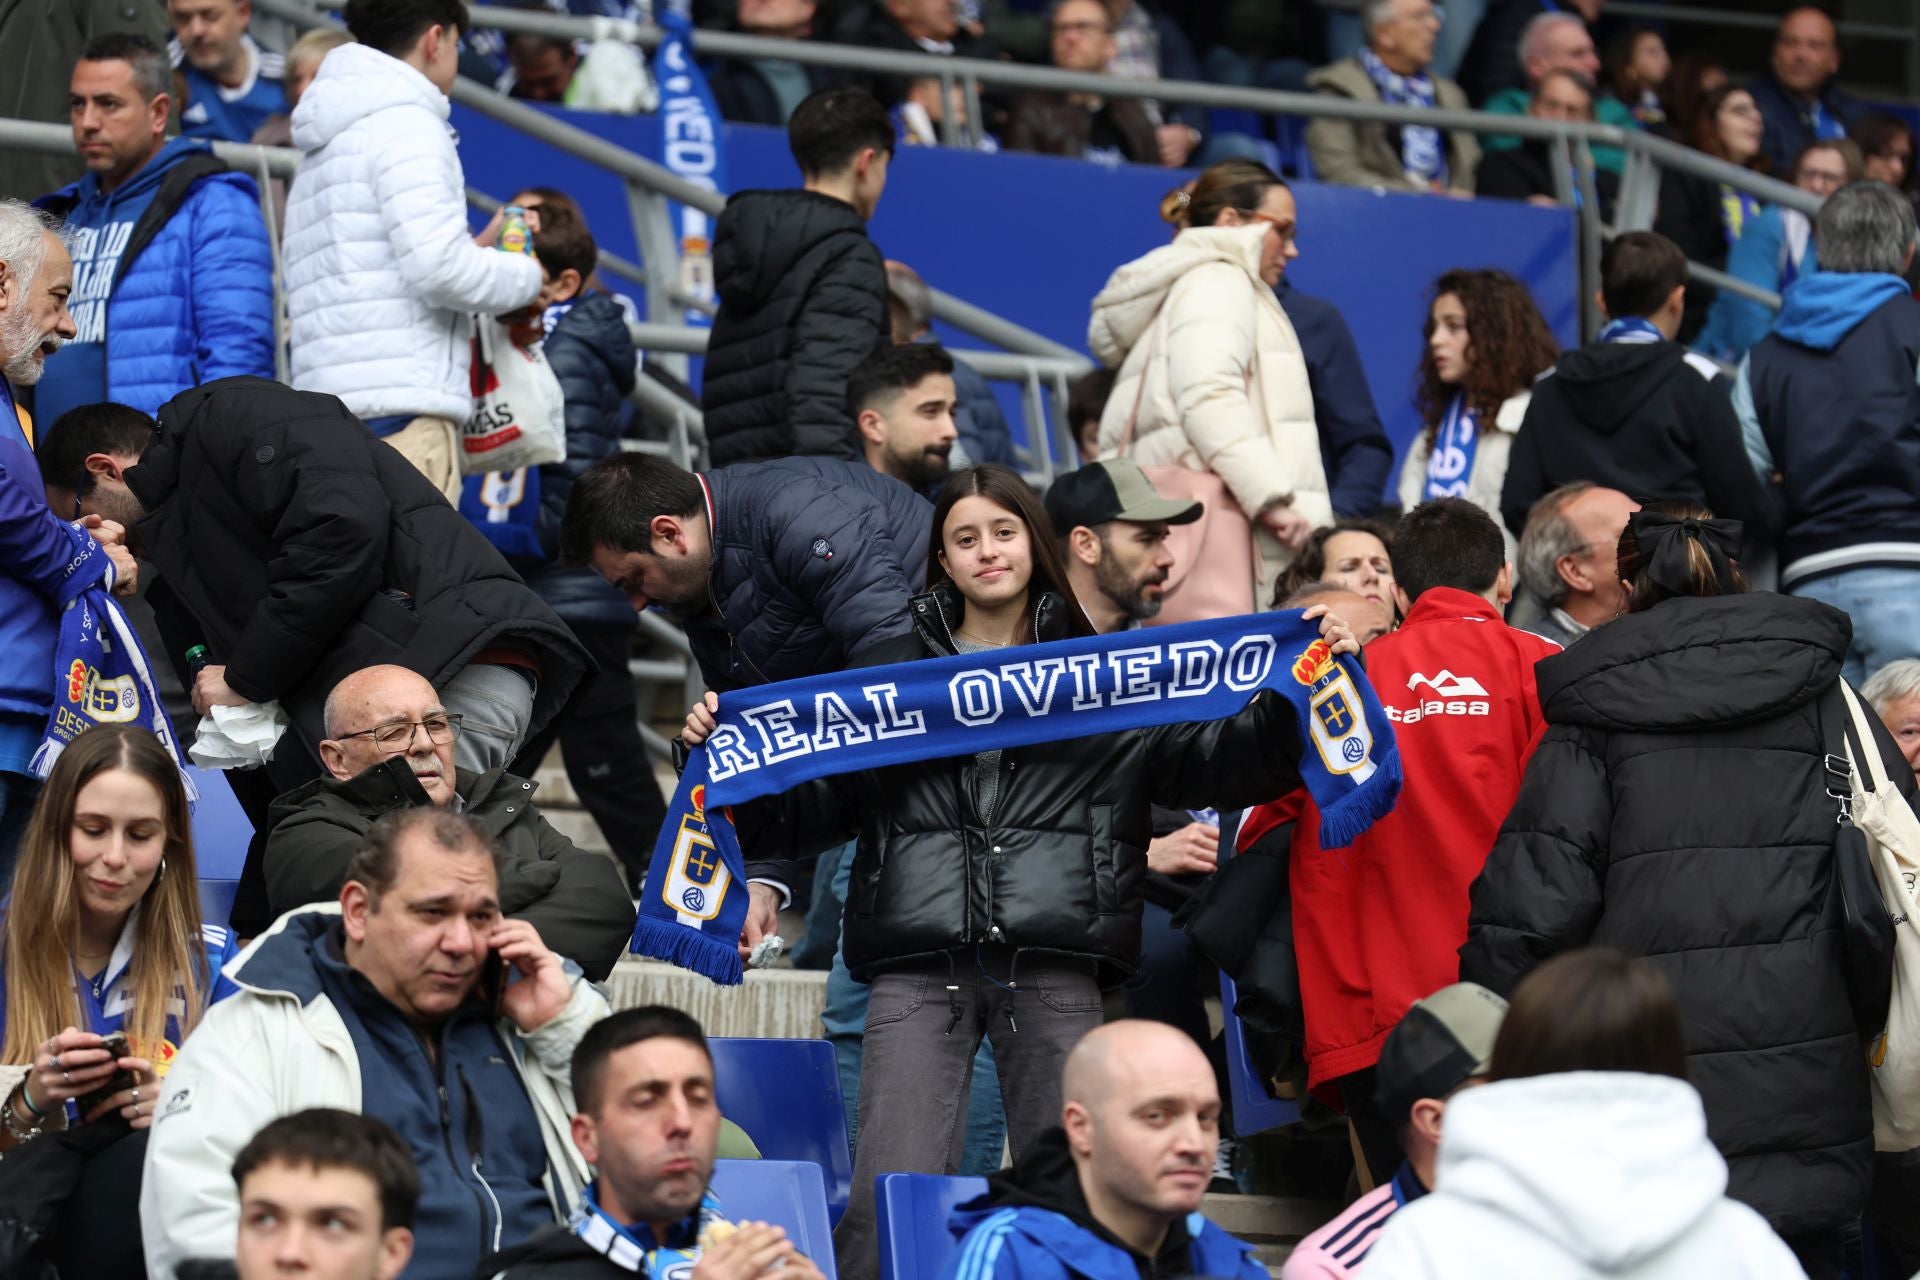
(1676, 809)
(1646, 418)
(305, 550)
(803, 300)
(1061, 867)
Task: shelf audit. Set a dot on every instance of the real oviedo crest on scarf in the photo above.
(1337, 725)
(697, 876)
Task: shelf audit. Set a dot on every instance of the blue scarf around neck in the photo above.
(1456, 443)
(774, 737)
(1632, 329)
(100, 671)
(1422, 151)
(628, 1247)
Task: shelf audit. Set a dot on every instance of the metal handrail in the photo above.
(1687, 16)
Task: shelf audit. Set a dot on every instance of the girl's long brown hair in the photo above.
(42, 922)
(1703, 130)
(1508, 344)
(1003, 487)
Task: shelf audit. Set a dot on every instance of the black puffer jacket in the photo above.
(1061, 867)
(306, 549)
(813, 562)
(803, 299)
(1676, 810)
(592, 355)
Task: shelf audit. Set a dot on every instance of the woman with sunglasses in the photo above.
(390, 745)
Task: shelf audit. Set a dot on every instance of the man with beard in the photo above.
(648, 1124)
(37, 548)
(777, 569)
(903, 401)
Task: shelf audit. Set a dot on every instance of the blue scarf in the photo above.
(692, 145)
(1737, 209)
(1456, 442)
(1422, 152)
(1632, 329)
(505, 506)
(628, 1247)
(774, 737)
(100, 672)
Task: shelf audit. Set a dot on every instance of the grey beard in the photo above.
(17, 335)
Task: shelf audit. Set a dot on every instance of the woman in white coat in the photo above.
(1586, 1154)
(1486, 342)
(1211, 375)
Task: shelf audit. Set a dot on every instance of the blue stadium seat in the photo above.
(786, 1095)
(915, 1243)
(220, 836)
(787, 1193)
(1254, 1109)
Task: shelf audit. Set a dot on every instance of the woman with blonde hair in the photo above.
(1211, 375)
(102, 937)
(1485, 343)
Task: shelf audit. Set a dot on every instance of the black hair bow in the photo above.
(1663, 541)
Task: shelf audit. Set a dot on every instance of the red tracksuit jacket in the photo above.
(1378, 925)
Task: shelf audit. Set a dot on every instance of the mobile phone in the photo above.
(119, 1081)
(493, 982)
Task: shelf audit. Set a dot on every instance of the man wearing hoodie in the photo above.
(1114, 1193)
(173, 276)
(1634, 410)
(803, 291)
(381, 271)
(1831, 416)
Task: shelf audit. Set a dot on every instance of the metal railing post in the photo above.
(1589, 225)
(949, 127)
(281, 356)
(660, 251)
(1639, 191)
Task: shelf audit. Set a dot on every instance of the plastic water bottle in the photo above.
(199, 658)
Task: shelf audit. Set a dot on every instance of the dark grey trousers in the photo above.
(918, 1062)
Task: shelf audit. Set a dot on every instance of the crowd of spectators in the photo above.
(399, 1050)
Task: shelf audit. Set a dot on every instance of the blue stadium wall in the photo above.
(1033, 238)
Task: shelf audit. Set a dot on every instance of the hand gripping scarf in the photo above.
(773, 737)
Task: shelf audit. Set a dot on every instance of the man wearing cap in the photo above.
(1441, 1046)
(1113, 527)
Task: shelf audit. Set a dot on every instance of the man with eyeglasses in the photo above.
(1081, 125)
(390, 745)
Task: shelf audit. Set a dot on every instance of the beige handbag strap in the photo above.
(1873, 767)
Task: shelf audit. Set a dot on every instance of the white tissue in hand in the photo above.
(238, 737)
(766, 952)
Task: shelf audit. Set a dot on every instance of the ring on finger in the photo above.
(136, 1097)
(54, 1062)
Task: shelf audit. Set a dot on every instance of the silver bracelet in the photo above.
(12, 1124)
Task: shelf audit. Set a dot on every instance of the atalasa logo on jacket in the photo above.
(775, 737)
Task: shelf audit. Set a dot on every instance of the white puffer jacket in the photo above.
(382, 272)
(1225, 386)
(1489, 465)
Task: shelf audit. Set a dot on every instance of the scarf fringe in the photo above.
(677, 944)
(1342, 820)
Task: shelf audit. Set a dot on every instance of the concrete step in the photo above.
(772, 1002)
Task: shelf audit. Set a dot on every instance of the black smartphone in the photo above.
(120, 1081)
(493, 982)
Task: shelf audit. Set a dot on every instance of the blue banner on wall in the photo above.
(693, 146)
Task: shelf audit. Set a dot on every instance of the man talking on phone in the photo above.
(412, 1000)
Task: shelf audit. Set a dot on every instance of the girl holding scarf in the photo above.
(1486, 342)
(1702, 216)
(997, 894)
(101, 936)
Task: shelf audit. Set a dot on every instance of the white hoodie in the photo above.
(1589, 1174)
(381, 270)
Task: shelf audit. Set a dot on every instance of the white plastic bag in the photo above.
(519, 413)
(612, 77)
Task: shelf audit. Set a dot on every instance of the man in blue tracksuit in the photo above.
(1831, 416)
(173, 276)
(1114, 1193)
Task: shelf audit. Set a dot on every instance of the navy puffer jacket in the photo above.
(814, 560)
(591, 353)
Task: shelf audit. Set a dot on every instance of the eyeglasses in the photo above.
(441, 730)
(1289, 232)
(1081, 28)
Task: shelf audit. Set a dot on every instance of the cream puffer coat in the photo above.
(1213, 362)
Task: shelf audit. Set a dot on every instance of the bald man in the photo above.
(390, 745)
(1114, 1192)
(1796, 94)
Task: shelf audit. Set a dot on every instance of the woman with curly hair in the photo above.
(1486, 343)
